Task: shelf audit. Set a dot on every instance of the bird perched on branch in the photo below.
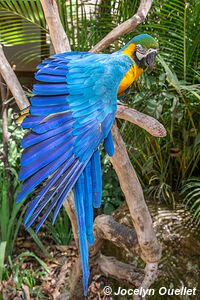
(71, 114)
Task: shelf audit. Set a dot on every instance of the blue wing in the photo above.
(71, 113)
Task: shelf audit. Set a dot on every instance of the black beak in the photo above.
(151, 59)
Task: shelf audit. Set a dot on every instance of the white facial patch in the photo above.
(141, 52)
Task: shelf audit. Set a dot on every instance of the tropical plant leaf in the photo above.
(2, 257)
(191, 192)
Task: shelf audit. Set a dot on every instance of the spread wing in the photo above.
(71, 113)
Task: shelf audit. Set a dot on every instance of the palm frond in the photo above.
(23, 23)
(176, 24)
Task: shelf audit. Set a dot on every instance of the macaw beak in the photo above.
(151, 59)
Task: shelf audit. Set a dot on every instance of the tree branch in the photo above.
(144, 121)
(5, 134)
(125, 27)
(132, 190)
(124, 273)
(105, 227)
(58, 36)
(12, 82)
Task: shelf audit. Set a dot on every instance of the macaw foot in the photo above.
(19, 117)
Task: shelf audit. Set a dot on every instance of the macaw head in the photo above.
(142, 49)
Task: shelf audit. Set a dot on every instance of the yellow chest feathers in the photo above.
(132, 75)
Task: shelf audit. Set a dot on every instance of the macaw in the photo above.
(71, 114)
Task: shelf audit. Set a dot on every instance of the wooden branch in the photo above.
(151, 125)
(124, 273)
(26, 291)
(109, 267)
(142, 222)
(58, 36)
(132, 190)
(125, 27)
(105, 227)
(12, 82)
(75, 281)
(5, 134)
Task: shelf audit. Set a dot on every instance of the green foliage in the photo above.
(25, 276)
(10, 212)
(176, 24)
(163, 164)
(2, 258)
(38, 242)
(112, 194)
(11, 218)
(31, 277)
(15, 136)
(60, 232)
(191, 190)
(170, 94)
(22, 23)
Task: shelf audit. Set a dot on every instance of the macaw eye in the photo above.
(140, 49)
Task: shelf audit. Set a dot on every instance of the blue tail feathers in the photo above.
(87, 196)
(83, 243)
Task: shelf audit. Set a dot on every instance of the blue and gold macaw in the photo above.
(71, 114)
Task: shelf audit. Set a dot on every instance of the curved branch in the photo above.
(109, 267)
(122, 272)
(12, 82)
(144, 121)
(125, 27)
(106, 228)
